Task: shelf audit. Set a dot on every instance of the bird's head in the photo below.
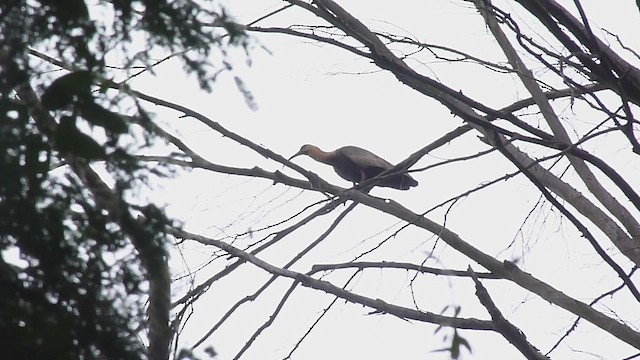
(305, 150)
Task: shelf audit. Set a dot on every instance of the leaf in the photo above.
(69, 139)
(97, 115)
(464, 343)
(106, 85)
(211, 351)
(69, 11)
(456, 342)
(66, 89)
(249, 99)
(440, 327)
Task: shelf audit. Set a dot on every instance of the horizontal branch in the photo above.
(505, 269)
(310, 282)
(290, 31)
(399, 266)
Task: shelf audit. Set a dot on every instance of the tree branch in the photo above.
(400, 266)
(152, 252)
(308, 281)
(504, 327)
(625, 244)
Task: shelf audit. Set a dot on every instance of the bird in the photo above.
(358, 165)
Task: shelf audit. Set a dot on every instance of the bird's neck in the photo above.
(327, 157)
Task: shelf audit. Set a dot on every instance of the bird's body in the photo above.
(357, 165)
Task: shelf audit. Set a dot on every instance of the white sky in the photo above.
(310, 93)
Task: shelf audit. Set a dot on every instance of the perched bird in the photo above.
(357, 165)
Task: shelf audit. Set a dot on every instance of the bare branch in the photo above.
(503, 326)
(322, 314)
(269, 321)
(311, 36)
(290, 263)
(593, 302)
(504, 269)
(199, 290)
(399, 266)
(625, 244)
(308, 281)
(611, 69)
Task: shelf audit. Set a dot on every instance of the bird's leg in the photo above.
(363, 178)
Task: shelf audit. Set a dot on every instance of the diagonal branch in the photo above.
(290, 263)
(200, 289)
(150, 250)
(626, 245)
(310, 282)
(461, 107)
(503, 326)
(505, 269)
(613, 70)
(593, 302)
(311, 36)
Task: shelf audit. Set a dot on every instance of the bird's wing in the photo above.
(364, 158)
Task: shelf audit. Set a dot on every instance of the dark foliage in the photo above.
(71, 280)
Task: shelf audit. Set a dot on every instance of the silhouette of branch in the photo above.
(464, 57)
(574, 220)
(503, 326)
(324, 312)
(305, 280)
(626, 245)
(593, 302)
(199, 290)
(267, 323)
(504, 269)
(398, 266)
(290, 263)
(555, 18)
(311, 36)
(151, 252)
(458, 103)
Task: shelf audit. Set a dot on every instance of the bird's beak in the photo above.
(296, 154)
